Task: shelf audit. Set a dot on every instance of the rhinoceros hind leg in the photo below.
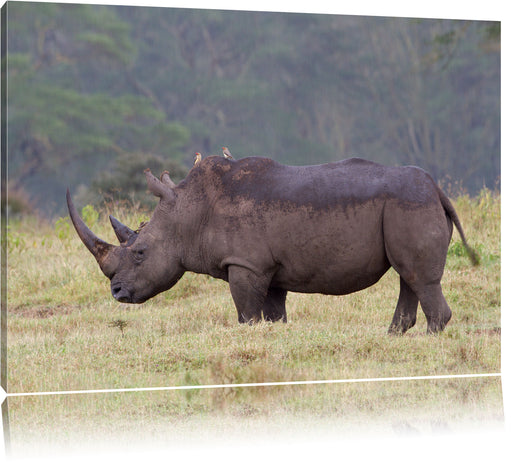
(406, 309)
(416, 243)
(434, 306)
(274, 308)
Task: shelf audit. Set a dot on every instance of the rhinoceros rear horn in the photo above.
(166, 179)
(123, 233)
(163, 187)
(100, 249)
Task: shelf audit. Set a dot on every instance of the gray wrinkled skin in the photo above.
(267, 229)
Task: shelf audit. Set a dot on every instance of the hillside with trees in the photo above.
(98, 93)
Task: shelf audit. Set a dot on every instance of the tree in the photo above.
(435, 93)
(126, 183)
(74, 107)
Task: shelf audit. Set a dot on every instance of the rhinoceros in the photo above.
(268, 228)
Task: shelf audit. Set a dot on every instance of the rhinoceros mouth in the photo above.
(124, 295)
(121, 294)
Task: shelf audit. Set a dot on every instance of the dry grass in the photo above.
(65, 332)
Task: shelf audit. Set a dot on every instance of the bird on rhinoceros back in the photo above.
(142, 224)
(226, 153)
(198, 158)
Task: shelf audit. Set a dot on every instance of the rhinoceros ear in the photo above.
(164, 188)
(123, 233)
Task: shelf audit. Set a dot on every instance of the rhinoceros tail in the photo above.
(450, 211)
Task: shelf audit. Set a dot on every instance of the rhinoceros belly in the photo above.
(335, 252)
(321, 273)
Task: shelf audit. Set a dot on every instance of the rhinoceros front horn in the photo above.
(99, 248)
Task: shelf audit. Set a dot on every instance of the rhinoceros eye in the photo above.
(138, 254)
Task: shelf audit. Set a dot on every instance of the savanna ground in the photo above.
(66, 332)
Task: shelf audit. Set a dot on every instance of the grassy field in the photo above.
(66, 332)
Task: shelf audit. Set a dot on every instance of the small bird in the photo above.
(198, 158)
(227, 154)
(142, 224)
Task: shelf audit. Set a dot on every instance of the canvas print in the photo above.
(240, 225)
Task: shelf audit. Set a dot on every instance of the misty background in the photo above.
(98, 93)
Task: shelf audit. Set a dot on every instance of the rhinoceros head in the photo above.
(147, 261)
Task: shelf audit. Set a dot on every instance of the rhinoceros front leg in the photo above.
(274, 308)
(249, 291)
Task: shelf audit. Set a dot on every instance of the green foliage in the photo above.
(446, 38)
(89, 215)
(483, 214)
(457, 249)
(15, 240)
(105, 45)
(62, 228)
